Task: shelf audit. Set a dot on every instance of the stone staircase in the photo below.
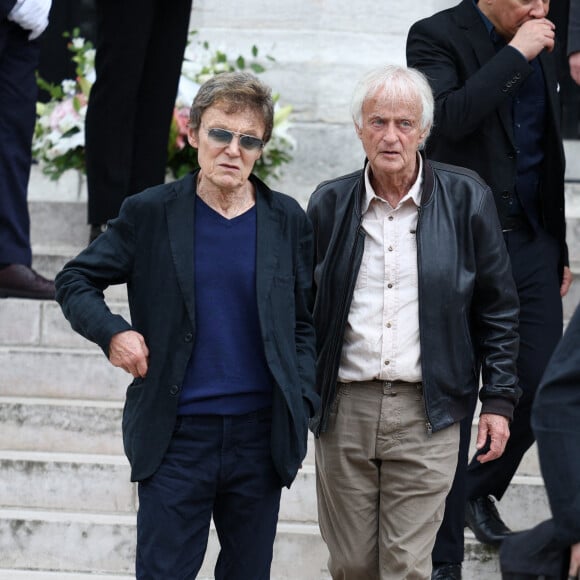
(67, 508)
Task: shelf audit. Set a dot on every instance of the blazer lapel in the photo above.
(469, 19)
(180, 227)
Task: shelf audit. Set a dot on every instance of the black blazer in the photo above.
(556, 424)
(472, 85)
(150, 247)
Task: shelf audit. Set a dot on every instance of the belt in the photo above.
(514, 222)
(376, 382)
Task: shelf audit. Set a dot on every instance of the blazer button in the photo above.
(174, 390)
(505, 194)
(188, 337)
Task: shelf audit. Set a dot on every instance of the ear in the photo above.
(193, 137)
(358, 131)
(423, 136)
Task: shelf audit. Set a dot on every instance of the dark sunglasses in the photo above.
(224, 137)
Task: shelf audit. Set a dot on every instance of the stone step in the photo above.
(41, 323)
(41, 545)
(52, 372)
(94, 426)
(61, 425)
(68, 426)
(74, 542)
(100, 484)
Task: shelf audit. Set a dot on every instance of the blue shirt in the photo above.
(227, 373)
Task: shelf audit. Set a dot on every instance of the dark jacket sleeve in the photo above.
(464, 95)
(496, 309)
(556, 424)
(81, 283)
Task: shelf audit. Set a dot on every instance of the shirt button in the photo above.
(390, 218)
(174, 390)
(388, 324)
(390, 248)
(389, 285)
(387, 362)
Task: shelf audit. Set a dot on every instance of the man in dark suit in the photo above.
(21, 24)
(221, 342)
(552, 548)
(497, 112)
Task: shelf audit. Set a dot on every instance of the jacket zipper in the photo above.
(428, 425)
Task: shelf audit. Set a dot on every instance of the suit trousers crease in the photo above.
(382, 482)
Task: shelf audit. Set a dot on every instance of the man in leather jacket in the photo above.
(414, 296)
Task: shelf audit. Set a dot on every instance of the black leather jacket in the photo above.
(468, 305)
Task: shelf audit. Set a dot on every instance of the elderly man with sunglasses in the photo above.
(220, 344)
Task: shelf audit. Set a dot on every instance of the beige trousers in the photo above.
(381, 482)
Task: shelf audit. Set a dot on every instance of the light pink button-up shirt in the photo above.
(381, 339)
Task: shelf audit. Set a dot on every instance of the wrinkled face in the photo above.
(508, 15)
(391, 134)
(226, 165)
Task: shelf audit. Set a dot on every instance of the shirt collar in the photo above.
(488, 25)
(414, 192)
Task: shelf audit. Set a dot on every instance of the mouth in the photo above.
(229, 167)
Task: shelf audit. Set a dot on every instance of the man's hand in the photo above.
(533, 36)
(574, 62)
(129, 352)
(574, 561)
(496, 427)
(566, 281)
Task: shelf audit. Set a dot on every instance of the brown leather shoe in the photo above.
(20, 281)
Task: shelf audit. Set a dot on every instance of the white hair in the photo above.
(398, 83)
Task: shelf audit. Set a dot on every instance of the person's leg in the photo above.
(175, 504)
(415, 476)
(157, 93)
(449, 544)
(123, 34)
(18, 91)
(534, 266)
(347, 483)
(248, 499)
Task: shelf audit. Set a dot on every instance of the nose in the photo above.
(389, 133)
(233, 147)
(539, 8)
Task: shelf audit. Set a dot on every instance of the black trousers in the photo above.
(140, 47)
(18, 61)
(220, 467)
(534, 259)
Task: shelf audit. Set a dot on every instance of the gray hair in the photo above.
(398, 83)
(238, 91)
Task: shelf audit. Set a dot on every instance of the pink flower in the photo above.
(181, 118)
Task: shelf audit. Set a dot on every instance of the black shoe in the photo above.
(95, 231)
(446, 571)
(20, 281)
(482, 517)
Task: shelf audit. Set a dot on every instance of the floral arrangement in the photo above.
(59, 134)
